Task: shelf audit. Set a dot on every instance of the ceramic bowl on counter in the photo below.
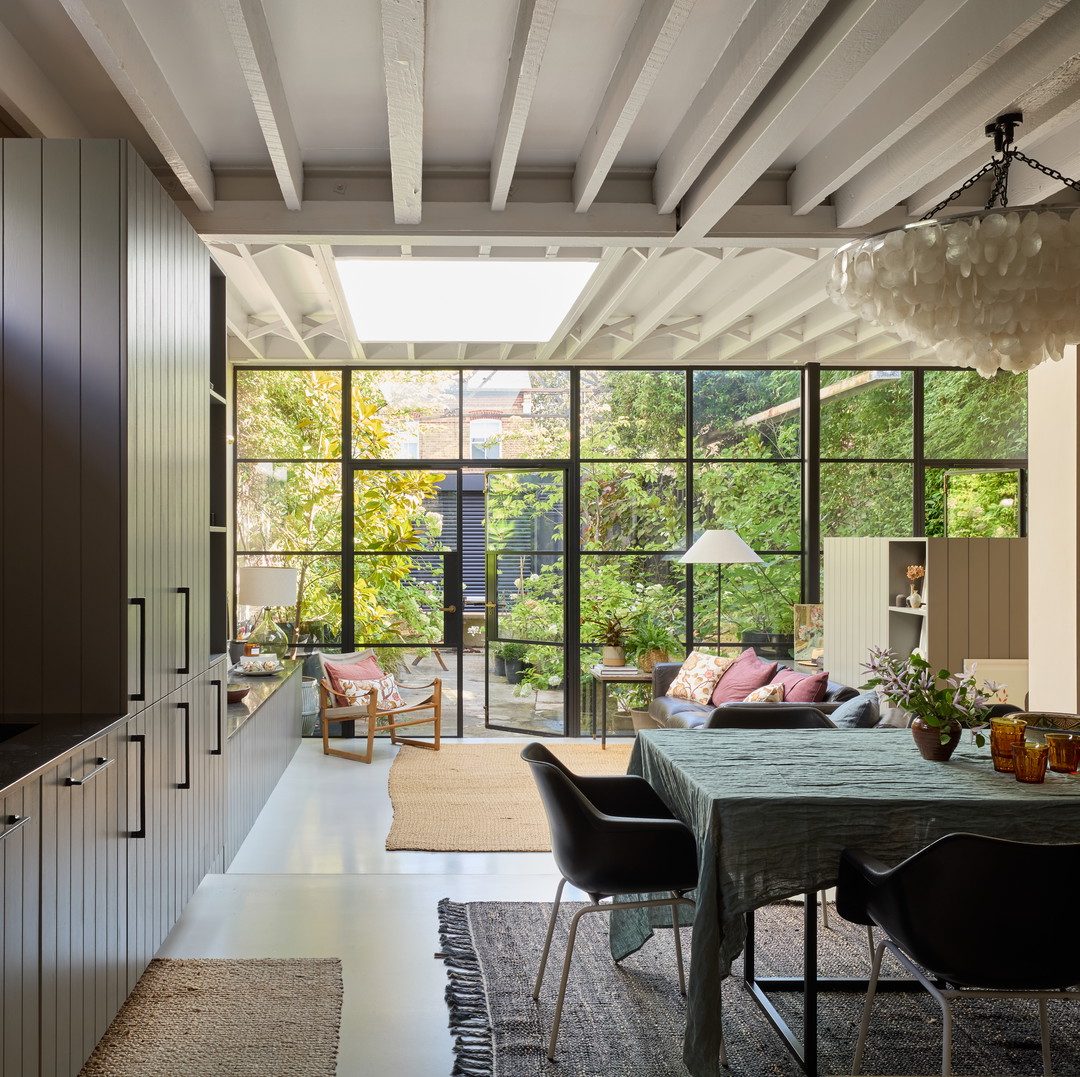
(236, 692)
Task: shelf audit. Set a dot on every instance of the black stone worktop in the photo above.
(261, 689)
(45, 741)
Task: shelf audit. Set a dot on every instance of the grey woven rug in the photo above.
(628, 1019)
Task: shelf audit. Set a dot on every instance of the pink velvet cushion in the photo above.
(742, 677)
(802, 687)
(367, 669)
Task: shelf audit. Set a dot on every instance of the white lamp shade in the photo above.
(720, 548)
(261, 585)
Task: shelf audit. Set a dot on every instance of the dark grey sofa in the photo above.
(671, 712)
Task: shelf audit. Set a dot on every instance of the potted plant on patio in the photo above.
(514, 658)
(942, 704)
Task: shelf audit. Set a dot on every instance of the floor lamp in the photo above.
(719, 547)
(262, 585)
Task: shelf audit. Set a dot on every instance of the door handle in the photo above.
(140, 604)
(491, 605)
(185, 592)
(219, 710)
(186, 709)
(140, 740)
(449, 609)
(101, 764)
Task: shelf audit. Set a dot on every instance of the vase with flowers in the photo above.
(942, 704)
(915, 572)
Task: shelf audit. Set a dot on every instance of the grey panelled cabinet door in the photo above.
(83, 902)
(19, 865)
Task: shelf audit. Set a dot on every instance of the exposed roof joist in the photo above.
(120, 48)
(403, 35)
(250, 34)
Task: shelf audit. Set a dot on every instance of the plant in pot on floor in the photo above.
(649, 641)
(514, 658)
(942, 705)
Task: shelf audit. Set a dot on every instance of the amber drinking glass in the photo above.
(1029, 761)
(1004, 733)
(1064, 752)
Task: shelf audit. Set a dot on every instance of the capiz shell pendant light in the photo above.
(994, 290)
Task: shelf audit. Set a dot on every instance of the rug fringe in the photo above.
(466, 996)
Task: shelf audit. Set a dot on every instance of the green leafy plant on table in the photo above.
(939, 699)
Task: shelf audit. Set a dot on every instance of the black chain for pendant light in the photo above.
(1002, 130)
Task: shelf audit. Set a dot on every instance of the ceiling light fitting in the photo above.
(993, 290)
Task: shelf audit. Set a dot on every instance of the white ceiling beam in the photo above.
(830, 55)
(667, 303)
(837, 343)
(658, 26)
(250, 34)
(233, 325)
(110, 31)
(786, 307)
(291, 327)
(1061, 152)
(30, 98)
(403, 34)
(763, 34)
(754, 281)
(956, 129)
(460, 224)
(621, 279)
(818, 323)
(599, 280)
(523, 70)
(623, 329)
(331, 279)
(274, 327)
(947, 58)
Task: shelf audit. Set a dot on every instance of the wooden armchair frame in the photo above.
(371, 713)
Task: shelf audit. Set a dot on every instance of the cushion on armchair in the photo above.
(802, 687)
(699, 675)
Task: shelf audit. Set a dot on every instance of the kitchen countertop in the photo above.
(31, 744)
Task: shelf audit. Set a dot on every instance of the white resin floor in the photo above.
(313, 879)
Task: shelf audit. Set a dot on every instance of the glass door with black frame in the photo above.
(526, 608)
(407, 597)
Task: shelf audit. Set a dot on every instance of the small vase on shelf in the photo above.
(914, 600)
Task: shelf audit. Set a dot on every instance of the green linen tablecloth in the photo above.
(773, 808)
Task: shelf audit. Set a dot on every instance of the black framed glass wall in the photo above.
(653, 457)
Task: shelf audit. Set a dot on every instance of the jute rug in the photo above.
(227, 1018)
(629, 1018)
(481, 798)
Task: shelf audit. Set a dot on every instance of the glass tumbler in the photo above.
(1004, 733)
(1029, 761)
(1064, 752)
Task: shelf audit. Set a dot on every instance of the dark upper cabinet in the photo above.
(104, 432)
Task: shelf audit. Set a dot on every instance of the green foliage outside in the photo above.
(745, 431)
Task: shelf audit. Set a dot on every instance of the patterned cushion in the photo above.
(748, 673)
(359, 692)
(698, 676)
(802, 687)
(768, 693)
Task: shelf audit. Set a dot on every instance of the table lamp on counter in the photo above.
(271, 588)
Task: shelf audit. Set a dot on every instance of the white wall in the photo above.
(1053, 548)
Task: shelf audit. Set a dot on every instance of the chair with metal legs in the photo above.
(959, 956)
(610, 836)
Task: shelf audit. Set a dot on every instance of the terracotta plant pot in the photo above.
(928, 740)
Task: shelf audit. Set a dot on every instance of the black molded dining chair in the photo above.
(610, 835)
(769, 716)
(933, 908)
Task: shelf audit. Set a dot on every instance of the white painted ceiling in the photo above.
(711, 153)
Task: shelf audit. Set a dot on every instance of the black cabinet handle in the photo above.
(140, 740)
(141, 604)
(220, 711)
(102, 763)
(186, 592)
(13, 823)
(186, 708)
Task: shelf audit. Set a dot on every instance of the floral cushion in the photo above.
(359, 692)
(767, 693)
(698, 676)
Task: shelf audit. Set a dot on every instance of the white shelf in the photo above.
(919, 611)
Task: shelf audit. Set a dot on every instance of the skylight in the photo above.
(460, 300)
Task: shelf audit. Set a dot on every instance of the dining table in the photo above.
(772, 810)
